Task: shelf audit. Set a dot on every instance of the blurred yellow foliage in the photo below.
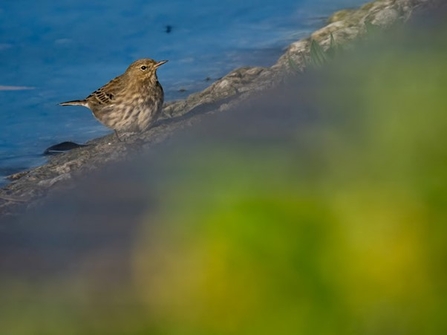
(346, 237)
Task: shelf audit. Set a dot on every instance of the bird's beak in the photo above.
(160, 63)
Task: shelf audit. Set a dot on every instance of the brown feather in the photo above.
(106, 94)
(74, 103)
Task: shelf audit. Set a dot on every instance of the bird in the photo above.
(131, 102)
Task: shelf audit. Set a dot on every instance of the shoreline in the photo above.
(28, 188)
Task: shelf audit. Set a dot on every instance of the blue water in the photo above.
(52, 51)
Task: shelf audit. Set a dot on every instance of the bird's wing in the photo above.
(106, 94)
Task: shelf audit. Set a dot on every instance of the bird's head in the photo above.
(144, 69)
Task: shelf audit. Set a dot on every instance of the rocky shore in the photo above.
(30, 188)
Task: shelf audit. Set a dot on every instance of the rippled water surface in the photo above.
(52, 51)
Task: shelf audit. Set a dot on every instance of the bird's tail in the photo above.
(74, 103)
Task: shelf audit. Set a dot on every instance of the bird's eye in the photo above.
(144, 67)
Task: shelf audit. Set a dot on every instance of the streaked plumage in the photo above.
(131, 102)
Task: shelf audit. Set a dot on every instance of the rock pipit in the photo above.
(131, 102)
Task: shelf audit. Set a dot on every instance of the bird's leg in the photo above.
(117, 136)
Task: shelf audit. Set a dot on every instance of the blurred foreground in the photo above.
(318, 208)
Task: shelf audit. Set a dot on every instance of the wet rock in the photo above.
(51, 182)
(385, 17)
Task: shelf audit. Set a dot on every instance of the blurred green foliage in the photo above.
(338, 229)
